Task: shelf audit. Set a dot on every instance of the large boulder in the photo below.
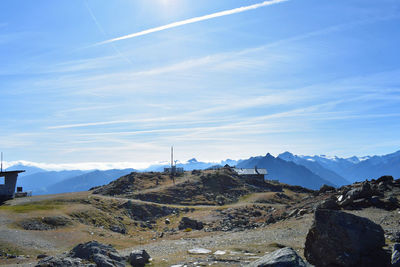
(139, 258)
(340, 239)
(284, 257)
(102, 255)
(91, 253)
(190, 223)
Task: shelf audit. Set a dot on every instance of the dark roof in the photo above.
(250, 171)
(4, 173)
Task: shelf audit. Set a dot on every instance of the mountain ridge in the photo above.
(320, 169)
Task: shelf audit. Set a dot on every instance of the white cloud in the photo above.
(80, 166)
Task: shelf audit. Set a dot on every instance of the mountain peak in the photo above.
(193, 160)
(269, 156)
(286, 156)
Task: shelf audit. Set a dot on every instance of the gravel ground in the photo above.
(241, 246)
(21, 238)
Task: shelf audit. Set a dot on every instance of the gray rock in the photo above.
(41, 256)
(63, 262)
(340, 239)
(105, 261)
(284, 257)
(385, 179)
(138, 258)
(45, 223)
(346, 201)
(118, 229)
(102, 255)
(326, 188)
(364, 191)
(375, 201)
(395, 237)
(87, 250)
(199, 251)
(329, 204)
(396, 255)
(190, 223)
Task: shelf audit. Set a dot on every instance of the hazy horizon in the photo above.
(120, 82)
(139, 165)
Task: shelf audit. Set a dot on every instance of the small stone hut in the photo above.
(8, 181)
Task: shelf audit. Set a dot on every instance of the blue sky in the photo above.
(307, 76)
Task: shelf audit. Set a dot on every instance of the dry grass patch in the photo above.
(34, 206)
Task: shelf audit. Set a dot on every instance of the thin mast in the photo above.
(172, 156)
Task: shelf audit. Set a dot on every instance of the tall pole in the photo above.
(172, 156)
(1, 161)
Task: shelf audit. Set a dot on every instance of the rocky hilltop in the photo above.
(198, 187)
(210, 217)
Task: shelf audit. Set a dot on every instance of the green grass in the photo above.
(34, 206)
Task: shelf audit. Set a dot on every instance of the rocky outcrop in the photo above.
(326, 188)
(284, 257)
(145, 212)
(88, 254)
(45, 223)
(340, 239)
(375, 193)
(186, 223)
(99, 218)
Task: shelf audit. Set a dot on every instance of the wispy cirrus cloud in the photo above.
(194, 20)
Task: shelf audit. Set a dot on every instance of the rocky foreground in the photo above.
(243, 224)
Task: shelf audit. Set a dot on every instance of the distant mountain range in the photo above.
(84, 181)
(358, 169)
(41, 182)
(192, 164)
(308, 171)
(316, 168)
(286, 171)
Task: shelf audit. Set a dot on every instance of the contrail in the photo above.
(193, 20)
(104, 33)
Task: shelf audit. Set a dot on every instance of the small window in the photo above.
(2, 181)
